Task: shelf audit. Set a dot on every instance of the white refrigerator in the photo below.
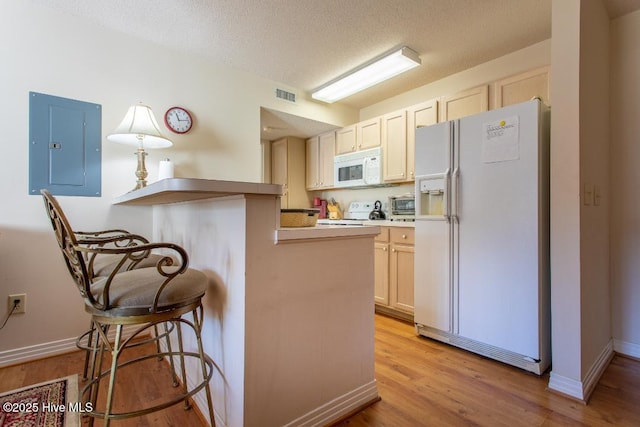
(482, 234)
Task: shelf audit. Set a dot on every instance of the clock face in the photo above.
(178, 120)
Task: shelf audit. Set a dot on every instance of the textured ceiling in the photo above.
(305, 43)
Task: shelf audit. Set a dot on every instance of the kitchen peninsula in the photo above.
(289, 313)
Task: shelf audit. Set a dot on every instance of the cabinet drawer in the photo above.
(383, 236)
(402, 235)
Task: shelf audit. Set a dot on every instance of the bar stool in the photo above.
(142, 297)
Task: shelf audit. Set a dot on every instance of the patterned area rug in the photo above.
(49, 404)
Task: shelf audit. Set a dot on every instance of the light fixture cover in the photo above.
(139, 125)
(368, 75)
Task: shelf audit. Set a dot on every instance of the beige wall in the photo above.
(625, 177)
(47, 52)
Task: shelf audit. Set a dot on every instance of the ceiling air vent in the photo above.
(286, 95)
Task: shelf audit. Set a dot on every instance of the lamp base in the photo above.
(141, 172)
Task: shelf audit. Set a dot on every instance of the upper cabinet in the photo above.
(320, 155)
(368, 134)
(424, 114)
(523, 87)
(287, 169)
(346, 139)
(361, 136)
(464, 103)
(394, 146)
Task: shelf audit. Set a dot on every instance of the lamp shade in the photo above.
(138, 127)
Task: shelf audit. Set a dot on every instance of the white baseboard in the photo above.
(48, 349)
(581, 390)
(339, 407)
(321, 416)
(626, 348)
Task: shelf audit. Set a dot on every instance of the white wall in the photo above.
(594, 172)
(625, 177)
(61, 55)
(581, 321)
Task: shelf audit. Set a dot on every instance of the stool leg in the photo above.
(197, 321)
(183, 368)
(173, 367)
(88, 353)
(115, 354)
(96, 370)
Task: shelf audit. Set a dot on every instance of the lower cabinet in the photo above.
(394, 272)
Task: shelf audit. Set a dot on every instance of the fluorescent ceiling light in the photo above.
(368, 75)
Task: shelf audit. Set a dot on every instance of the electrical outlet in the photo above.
(22, 303)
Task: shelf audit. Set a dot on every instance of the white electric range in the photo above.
(357, 214)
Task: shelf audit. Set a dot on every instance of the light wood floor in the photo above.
(421, 382)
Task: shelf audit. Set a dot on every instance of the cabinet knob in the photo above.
(404, 236)
(393, 250)
(384, 249)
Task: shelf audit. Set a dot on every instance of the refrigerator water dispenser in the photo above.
(431, 196)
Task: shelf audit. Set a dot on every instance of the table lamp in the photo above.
(140, 128)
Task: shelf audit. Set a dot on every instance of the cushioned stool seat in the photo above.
(133, 292)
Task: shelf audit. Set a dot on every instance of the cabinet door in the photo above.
(523, 87)
(346, 140)
(326, 155)
(401, 278)
(368, 134)
(279, 168)
(424, 114)
(464, 103)
(381, 273)
(401, 268)
(394, 146)
(312, 160)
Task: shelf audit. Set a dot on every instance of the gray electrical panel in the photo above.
(65, 154)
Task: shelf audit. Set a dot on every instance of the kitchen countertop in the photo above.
(358, 223)
(293, 234)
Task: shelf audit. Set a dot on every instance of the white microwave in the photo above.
(359, 169)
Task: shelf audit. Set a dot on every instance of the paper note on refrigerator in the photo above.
(501, 140)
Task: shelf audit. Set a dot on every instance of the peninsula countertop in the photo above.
(174, 190)
(180, 190)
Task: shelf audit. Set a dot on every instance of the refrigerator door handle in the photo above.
(447, 195)
(455, 190)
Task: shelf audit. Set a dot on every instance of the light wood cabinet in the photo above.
(394, 146)
(288, 170)
(381, 263)
(394, 258)
(401, 269)
(523, 87)
(424, 114)
(368, 134)
(320, 153)
(465, 103)
(346, 140)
